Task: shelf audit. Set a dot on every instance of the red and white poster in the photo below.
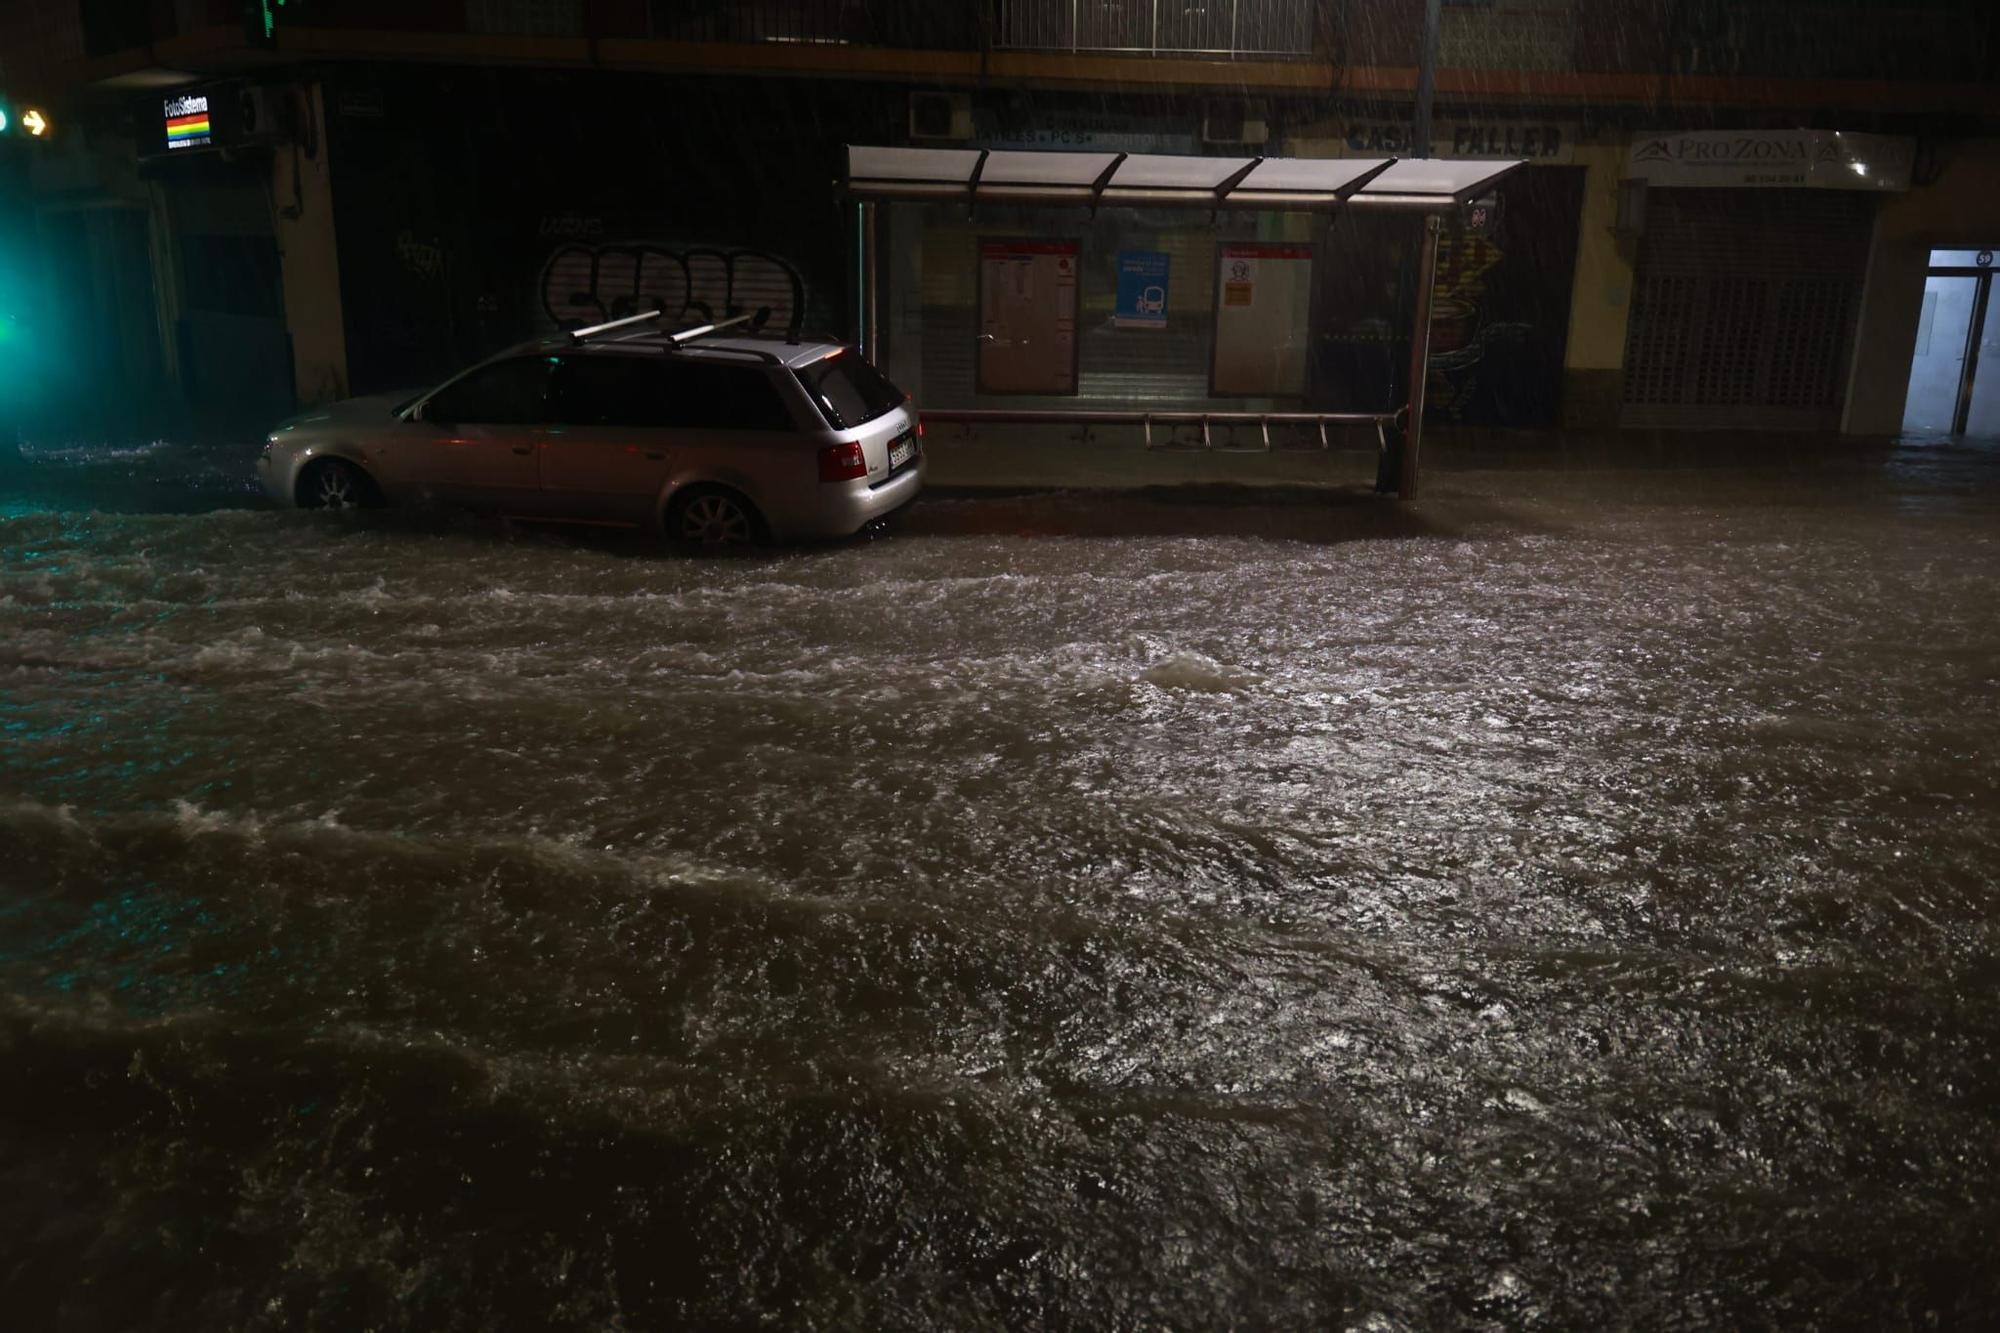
(1027, 316)
(1263, 296)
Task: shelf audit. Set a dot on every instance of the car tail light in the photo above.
(842, 462)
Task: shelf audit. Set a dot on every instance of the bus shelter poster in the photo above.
(1027, 316)
(1263, 295)
(1142, 290)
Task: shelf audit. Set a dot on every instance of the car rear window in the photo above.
(847, 390)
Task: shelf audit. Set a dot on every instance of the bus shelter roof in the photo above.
(1165, 180)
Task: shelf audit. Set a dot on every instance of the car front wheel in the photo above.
(335, 483)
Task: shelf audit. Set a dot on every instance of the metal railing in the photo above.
(1161, 27)
(956, 25)
(1896, 40)
(1893, 40)
(1007, 416)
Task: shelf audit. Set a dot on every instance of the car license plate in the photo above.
(901, 451)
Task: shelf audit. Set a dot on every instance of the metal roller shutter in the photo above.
(1744, 308)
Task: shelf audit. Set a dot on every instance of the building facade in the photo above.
(1730, 215)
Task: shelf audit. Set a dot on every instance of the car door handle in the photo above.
(524, 448)
(655, 457)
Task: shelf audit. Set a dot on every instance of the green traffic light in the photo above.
(6, 123)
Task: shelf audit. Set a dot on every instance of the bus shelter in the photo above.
(1027, 219)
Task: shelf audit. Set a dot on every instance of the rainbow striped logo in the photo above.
(187, 122)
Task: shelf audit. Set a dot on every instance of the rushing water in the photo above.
(1571, 903)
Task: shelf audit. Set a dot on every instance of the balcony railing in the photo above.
(1227, 28)
(935, 25)
(1955, 41)
(1897, 40)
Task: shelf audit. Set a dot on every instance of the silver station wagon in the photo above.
(714, 440)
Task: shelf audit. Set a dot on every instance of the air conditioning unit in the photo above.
(940, 115)
(1228, 121)
(263, 115)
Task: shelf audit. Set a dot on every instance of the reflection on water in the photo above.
(1570, 903)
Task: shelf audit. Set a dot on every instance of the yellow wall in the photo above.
(302, 195)
(1601, 297)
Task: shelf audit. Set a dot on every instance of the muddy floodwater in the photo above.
(1570, 903)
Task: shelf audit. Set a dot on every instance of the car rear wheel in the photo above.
(335, 483)
(712, 519)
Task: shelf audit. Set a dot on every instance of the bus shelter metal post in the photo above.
(871, 277)
(857, 245)
(1961, 415)
(1420, 359)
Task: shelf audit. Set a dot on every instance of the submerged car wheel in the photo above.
(335, 483)
(712, 520)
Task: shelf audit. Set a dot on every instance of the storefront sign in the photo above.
(1795, 159)
(1081, 131)
(1142, 290)
(1495, 140)
(361, 103)
(1027, 316)
(187, 122)
(1097, 141)
(1263, 294)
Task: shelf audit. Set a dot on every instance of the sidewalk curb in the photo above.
(1243, 494)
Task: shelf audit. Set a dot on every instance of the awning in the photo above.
(1161, 180)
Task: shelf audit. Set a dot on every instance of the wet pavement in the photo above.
(1567, 902)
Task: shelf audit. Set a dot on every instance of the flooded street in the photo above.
(1570, 903)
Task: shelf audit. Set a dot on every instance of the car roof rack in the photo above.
(633, 331)
(612, 326)
(703, 330)
(657, 342)
(631, 325)
(799, 339)
(754, 353)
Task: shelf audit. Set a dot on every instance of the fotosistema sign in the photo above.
(187, 122)
(1773, 159)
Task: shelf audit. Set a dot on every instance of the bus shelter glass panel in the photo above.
(1938, 364)
(1262, 308)
(1984, 417)
(1027, 316)
(979, 312)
